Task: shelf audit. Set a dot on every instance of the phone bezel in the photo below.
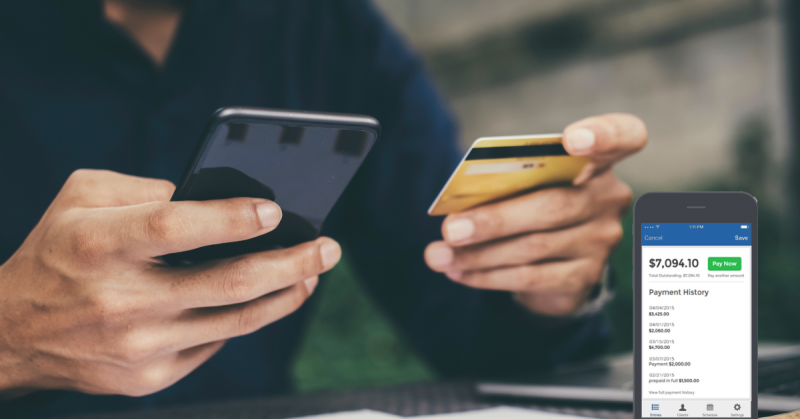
(673, 207)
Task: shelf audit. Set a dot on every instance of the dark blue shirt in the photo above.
(76, 92)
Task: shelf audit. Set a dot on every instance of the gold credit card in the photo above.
(498, 167)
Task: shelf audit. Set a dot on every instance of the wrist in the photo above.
(586, 303)
(17, 376)
(15, 379)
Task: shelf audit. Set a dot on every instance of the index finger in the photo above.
(158, 228)
(542, 210)
(605, 139)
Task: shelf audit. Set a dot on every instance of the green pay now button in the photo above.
(724, 264)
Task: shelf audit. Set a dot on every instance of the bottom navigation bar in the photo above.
(696, 408)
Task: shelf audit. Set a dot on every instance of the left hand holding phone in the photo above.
(89, 306)
(549, 246)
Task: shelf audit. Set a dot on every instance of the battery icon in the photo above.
(744, 227)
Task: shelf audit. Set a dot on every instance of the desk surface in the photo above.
(404, 400)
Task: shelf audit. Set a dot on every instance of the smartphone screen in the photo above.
(302, 161)
(303, 169)
(695, 316)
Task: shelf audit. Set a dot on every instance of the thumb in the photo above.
(605, 139)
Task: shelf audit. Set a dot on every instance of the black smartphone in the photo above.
(695, 305)
(301, 160)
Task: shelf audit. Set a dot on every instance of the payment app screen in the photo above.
(696, 320)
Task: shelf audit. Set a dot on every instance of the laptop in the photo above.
(610, 381)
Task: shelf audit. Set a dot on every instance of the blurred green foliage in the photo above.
(350, 342)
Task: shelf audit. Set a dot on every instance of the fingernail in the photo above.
(269, 214)
(460, 229)
(440, 255)
(311, 283)
(331, 252)
(580, 139)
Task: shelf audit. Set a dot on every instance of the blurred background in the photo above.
(709, 77)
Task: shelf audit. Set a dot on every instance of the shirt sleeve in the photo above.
(383, 224)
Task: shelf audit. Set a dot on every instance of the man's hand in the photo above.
(87, 305)
(550, 246)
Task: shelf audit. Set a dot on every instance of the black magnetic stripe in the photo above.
(517, 151)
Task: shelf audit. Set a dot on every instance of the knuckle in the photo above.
(627, 197)
(89, 246)
(607, 127)
(489, 221)
(624, 194)
(236, 285)
(526, 277)
(132, 349)
(639, 129)
(558, 202)
(83, 180)
(564, 305)
(150, 380)
(627, 126)
(585, 275)
(308, 262)
(596, 271)
(164, 224)
(240, 217)
(312, 264)
(86, 188)
(570, 283)
(79, 176)
(533, 245)
(106, 310)
(161, 190)
(611, 125)
(614, 233)
(470, 258)
(247, 321)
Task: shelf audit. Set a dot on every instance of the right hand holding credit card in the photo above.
(542, 234)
